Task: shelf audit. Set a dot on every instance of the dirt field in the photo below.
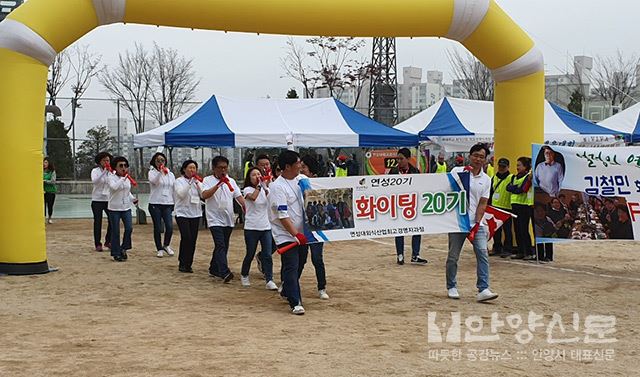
(95, 317)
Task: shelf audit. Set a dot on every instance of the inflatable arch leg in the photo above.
(31, 36)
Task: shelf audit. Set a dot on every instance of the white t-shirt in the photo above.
(119, 193)
(257, 216)
(161, 187)
(100, 180)
(479, 187)
(285, 201)
(187, 198)
(219, 207)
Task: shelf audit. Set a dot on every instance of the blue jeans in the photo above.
(117, 249)
(219, 266)
(161, 213)
(290, 281)
(456, 240)
(415, 245)
(316, 259)
(251, 239)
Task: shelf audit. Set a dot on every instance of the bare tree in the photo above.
(474, 77)
(85, 66)
(129, 83)
(613, 78)
(58, 76)
(359, 73)
(296, 65)
(173, 84)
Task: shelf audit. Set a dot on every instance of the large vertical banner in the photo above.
(359, 207)
(586, 193)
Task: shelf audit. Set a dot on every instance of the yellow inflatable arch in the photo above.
(33, 34)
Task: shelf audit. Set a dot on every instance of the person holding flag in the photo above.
(479, 192)
(219, 192)
(286, 215)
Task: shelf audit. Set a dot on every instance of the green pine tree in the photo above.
(98, 140)
(575, 103)
(292, 94)
(59, 149)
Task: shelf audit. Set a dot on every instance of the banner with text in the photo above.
(586, 193)
(359, 207)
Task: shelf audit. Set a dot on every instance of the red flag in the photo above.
(493, 219)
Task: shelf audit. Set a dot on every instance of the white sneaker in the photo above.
(160, 253)
(271, 286)
(245, 281)
(49, 221)
(280, 288)
(453, 293)
(169, 251)
(323, 294)
(297, 310)
(486, 295)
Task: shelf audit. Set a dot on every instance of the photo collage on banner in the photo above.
(360, 207)
(586, 193)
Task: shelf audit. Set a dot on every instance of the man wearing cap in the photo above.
(459, 160)
(341, 166)
(501, 198)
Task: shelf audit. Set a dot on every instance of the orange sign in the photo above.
(382, 160)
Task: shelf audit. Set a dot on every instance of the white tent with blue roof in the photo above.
(456, 124)
(266, 123)
(626, 122)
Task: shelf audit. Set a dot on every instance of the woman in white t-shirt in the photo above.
(257, 227)
(161, 181)
(188, 210)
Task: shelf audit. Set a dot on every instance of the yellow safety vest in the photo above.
(491, 171)
(501, 197)
(526, 198)
(442, 168)
(341, 172)
(246, 168)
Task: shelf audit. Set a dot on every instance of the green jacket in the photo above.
(49, 181)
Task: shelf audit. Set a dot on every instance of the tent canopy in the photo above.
(457, 124)
(626, 122)
(228, 122)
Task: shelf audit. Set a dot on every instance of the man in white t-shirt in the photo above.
(286, 215)
(479, 192)
(219, 192)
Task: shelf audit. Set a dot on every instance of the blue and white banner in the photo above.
(359, 207)
(586, 193)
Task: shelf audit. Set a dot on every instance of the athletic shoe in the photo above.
(323, 294)
(245, 281)
(486, 295)
(280, 288)
(271, 286)
(259, 261)
(124, 255)
(505, 254)
(418, 260)
(228, 278)
(119, 258)
(400, 259)
(529, 258)
(99, 248)
(548, 260)
(453, 293)
(517, 256)
(169, 250)
(297, 310)
(107, 245)
(160, 253)
(49, 221)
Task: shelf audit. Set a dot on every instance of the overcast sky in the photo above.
(248, 65)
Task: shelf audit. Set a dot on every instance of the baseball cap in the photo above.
(503, 161)
(459, 159)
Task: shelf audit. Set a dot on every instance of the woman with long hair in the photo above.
(257, 227)
(188, 211)
(100, 198)
(161, 182)
(50, 189)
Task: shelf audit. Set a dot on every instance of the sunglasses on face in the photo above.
(122, 166)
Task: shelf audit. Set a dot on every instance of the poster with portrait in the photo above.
(586, 193)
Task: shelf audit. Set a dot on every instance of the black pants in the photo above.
(188, 236)
(505, 247)
(49, 199)
(219, 265)
(290, 280)
(316, 259)
(97, 208)
(523, 238)
(545, 251)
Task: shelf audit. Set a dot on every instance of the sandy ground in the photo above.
(95, 317)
